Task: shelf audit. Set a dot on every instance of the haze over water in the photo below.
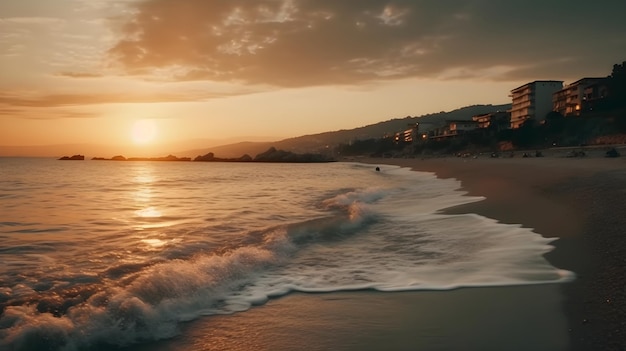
(120, 253)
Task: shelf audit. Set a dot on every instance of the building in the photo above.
(460, 127)
(408, 135)
(533, 100)
(454, 128)
(495, 121)
(596, 95)
(573, 99)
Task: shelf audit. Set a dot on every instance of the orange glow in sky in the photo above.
(169, 75)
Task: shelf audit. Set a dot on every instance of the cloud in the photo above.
(57, 100)
(79, 75)
(44, 113)
(32, 20)
(56, 106)
(297, 43)
(12, 102)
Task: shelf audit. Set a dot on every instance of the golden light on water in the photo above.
(155, 243)
(144, 178)
(148, 218)
(143, 195)
(148, 212)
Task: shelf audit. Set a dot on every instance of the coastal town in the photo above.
(542, 113)
(589, 112)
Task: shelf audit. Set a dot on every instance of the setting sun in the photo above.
(144, 131)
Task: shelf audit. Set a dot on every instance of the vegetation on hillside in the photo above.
(605, 124)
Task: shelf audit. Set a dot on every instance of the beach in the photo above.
(581, 201)
(497, 254)
(577, 201)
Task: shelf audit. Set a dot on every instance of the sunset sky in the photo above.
(151, 74)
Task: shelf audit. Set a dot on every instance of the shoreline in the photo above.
(564, 199)
(579, 201)
(480, 318)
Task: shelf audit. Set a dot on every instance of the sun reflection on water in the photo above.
(143, 196)
(148, 212)
(144, 179)
(145, 175)
(154, 243)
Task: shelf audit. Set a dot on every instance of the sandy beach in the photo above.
(580, 201)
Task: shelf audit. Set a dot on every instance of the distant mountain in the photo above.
(322, 141)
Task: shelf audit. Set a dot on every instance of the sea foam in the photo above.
(368, 230)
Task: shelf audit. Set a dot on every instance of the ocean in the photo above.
(107, 255)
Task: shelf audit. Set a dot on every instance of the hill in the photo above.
(320, 142)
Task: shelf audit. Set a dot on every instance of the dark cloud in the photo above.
(317, 42)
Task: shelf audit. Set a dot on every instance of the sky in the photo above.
(155, 74)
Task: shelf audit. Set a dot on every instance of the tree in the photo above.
(617, 86)
(527, 134)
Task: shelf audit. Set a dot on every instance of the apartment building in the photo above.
(454, 128)
(533, 100)
(497, 121)
(574, 99)
(596, 95)
(408, 135)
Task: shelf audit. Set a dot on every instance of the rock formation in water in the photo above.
(73, 158)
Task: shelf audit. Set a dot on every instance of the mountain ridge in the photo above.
(321, 142)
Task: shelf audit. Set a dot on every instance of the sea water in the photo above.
(107, 254)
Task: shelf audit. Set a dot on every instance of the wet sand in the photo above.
(504, 318)
(580, 201)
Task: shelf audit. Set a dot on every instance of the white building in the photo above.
(533, 100)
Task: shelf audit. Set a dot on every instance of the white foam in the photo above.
(414, 247)
(386, 234)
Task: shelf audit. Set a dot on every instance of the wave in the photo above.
(147, 301)
(386, 239)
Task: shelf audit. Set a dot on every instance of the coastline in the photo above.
(580, 201)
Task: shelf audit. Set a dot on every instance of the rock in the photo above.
(612, 153)
(73, 158)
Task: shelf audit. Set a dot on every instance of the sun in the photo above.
(144, 131)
